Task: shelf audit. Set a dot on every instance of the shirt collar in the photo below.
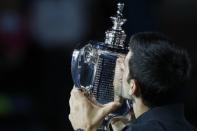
(172, 112)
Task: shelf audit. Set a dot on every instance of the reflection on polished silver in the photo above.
(90, 54)
(93, 65)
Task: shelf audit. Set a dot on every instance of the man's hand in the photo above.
(119, 122)
(85, 113)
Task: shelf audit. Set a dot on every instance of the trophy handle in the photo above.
(74, 71)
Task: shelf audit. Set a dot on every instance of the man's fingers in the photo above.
(73, 123)
(75, 92)
(69, 117)
(108, 108)
(77, 95)
(83, 96)
(93, 100)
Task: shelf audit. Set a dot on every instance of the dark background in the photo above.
(37, 38)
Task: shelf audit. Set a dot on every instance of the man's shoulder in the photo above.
(155, 125)
(147, 126)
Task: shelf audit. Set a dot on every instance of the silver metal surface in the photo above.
(93, 66)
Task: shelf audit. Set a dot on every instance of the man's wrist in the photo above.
(90, 129)
(80, 129)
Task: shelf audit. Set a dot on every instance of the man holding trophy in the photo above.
(148, 82)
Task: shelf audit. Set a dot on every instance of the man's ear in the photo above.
(134, 88)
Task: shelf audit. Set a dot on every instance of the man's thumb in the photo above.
(110, 107)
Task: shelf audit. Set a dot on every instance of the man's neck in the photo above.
(139, 108)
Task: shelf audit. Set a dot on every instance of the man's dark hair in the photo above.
(160, 68)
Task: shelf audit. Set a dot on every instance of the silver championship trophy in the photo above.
(93, 66)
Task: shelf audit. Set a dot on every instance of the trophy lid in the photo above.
(118, 20)
(115, 37)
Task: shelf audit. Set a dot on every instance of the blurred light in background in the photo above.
(11, 105)
(5, 106)
(59, 22)
(10, 22)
